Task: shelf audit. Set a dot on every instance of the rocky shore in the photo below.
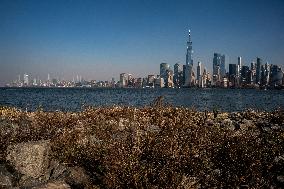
(152, 147)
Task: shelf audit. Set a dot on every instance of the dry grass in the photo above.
(158, 147)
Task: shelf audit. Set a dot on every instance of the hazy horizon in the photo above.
(100, 39)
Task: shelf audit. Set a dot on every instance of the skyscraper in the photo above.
(163, 70)
(239, 64)
(223, 66)
(219, 62)
(178, 72)
(245, 75)
(276, 77)
(258, 70)
(232, 70)
(26, 79)
(199, 71)
(123, 80)
(265, 73)
(189, 75)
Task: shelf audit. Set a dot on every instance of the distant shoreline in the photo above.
(239, 88)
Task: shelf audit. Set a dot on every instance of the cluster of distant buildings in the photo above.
(77, 81)
(257, 75)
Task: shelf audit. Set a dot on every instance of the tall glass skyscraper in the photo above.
(188, 72)
(219, 62)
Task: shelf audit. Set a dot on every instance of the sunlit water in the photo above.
(201, 99)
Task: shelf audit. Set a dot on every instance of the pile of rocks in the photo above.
(29, 165)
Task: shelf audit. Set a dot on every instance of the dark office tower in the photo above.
(276, 76)
(219, 62)
(189, 63)
(245, 75)
(232, 70)
(163, 70)
(216, 63)
(222, 66)
(258, 70)
(183, 74)
(178, 72)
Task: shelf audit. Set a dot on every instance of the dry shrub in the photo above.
(157, 147)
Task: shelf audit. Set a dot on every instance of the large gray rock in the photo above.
(228, 124)
(30, 158)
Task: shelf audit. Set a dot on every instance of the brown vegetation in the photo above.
(158, 147)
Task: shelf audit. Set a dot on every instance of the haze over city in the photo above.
(101, 39)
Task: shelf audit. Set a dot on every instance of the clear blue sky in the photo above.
(99, 39)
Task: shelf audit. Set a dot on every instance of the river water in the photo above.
(74, 99)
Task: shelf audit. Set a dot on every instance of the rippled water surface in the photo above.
(201, 99)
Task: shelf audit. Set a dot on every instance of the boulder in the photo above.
(30, 158)
(228, 124)
(247, 124)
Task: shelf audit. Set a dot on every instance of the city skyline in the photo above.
(100, 39)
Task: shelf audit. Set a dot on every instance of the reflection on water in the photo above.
(200, 99)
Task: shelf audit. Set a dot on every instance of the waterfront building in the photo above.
(239, 65)
(233, 75)
(26, 79)
(138, 82)
(34, 82)
(159, 82)
(123, 80)
(178, 75)
(223, 66)
(276, 76)
(253, 72)
(205, 79)
(144, 82)
(232, 70)
(199, 74)
(219, 64)
(169, 83)
(265, 73)
(258, 70)
(224, 82)
(245, 75)
(188, 69)
(150, 81)
(183, 74)
(130, 81)
(163, 70)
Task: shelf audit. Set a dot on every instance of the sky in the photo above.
(99, 39)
